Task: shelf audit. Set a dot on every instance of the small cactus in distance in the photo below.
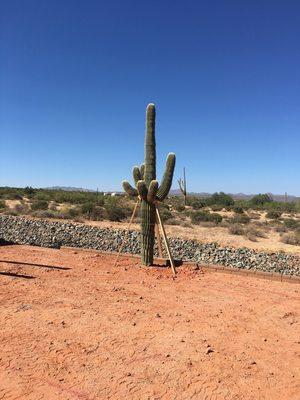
(182, 186)
(148, 189)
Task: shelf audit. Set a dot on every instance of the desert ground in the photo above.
(74, 327)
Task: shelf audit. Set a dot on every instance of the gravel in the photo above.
(55, 234)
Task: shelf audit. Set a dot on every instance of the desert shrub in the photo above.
(164, 206)
(179, 207)
(186, 224)
(280, 228)
(11, 212)
(261, 199)
(216, 218)
(205, 216)
(96, 213)
(173, 221)
(238, 209)
(272, 214)
(240, 219)
(53, 206)
(222, 199)
(73, 212)
(2, 204)
(87, 208)
(21, 208)
(291, 238)
(29, 191)
(291, 223)
(165, 214)
(253, 215)
(77, 197)
(15, 196)
(199, 216)
(216, 207)
(251, 231)
(236, 229)
(42, 195)
(197, 204)
(44, 214)
(39, 205)
(114, 212)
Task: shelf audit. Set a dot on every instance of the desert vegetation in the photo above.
(252, 220)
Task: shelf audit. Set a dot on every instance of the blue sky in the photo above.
(76, 76)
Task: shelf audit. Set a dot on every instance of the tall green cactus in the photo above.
(147, 187)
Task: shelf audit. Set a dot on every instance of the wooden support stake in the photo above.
(166, 242)
(127, 230)
(160, 252)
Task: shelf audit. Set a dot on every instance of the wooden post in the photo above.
(160, 252)
(166, 242)
(127, 230)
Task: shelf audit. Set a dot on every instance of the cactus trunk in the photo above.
(148, 208)
(148, 215)
(148, 189)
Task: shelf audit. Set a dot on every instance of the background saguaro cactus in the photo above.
(182, 186)
(147, 187)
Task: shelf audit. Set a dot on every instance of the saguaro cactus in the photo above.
(147, 187)
(182, 186)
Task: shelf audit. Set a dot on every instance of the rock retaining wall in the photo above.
(46, 233)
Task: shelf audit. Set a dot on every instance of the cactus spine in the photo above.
(147, 187)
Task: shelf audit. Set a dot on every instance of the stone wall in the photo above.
(39, 232)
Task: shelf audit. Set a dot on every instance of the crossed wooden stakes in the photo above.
(158, 224)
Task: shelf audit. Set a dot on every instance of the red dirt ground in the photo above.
(94, 331)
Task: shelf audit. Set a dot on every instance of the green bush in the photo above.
(39, 205)
(240, 219)
(216, 207)
(29, 191)
(21, 208)
(179, 207)
(197, 204)
(205, 216)
(222, 199)
(236, 229)
(73, 212)
(91, 211)
(261, 199)
(2, 204)
(291, 238)
(87, 208)
(45, 214)
(165, 214)
(273, 214)
(115, 213)
(238, 209)
(291, 223)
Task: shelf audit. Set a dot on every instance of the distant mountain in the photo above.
(69, 189)
(239, 196)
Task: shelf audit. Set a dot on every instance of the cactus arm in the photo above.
(142, 189)
(152, 190)
(136, 175)
(167, 178)
(142, 171)
(129, 189)
(150, 149)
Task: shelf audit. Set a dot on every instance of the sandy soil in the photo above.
(75, 327)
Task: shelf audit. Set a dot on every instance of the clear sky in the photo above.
(76, 76)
